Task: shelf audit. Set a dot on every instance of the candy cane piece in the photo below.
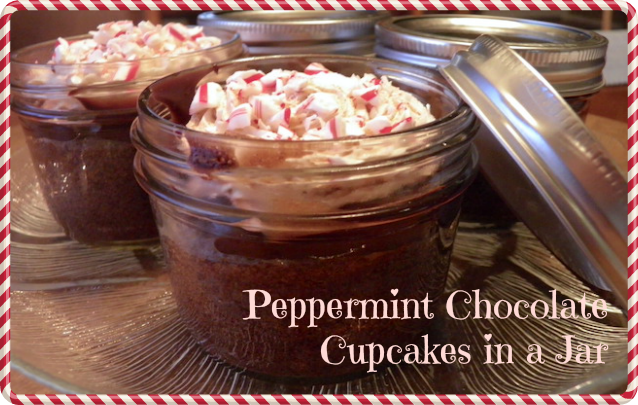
(323, 104)
(377, 124)
(240, 117)
(369, 94)
(265, 108)
(245, 75)
(175, 33)
(285, 134)
(208, 96)
(337, 128)
(254, 77)
(399, 126)
(315, 68)
(127, 72)
(281, 118)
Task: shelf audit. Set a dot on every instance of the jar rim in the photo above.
(570, 58)
(17, 58)
(460, 113)
(259, 27)
(390, 26)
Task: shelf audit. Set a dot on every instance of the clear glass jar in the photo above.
(570, 59)
(76, 119)
(276, 216)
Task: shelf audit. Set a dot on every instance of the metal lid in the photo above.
(291, 26)
(364, 47)
(544, 162)
(409, 57)
(571, 59)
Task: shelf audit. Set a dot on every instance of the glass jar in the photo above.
(280, 217)
(293, 32)
(570, 59)
(76, 119)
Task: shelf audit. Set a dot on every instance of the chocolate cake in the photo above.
(85, 171)
(211, 265)
(77, 98)
(308, 183)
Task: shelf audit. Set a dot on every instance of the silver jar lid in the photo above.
(361, 48)
(571, 59)
(544, 162)
(259, 27)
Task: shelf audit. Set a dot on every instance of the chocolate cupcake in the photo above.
(76, 100)
(291, 176)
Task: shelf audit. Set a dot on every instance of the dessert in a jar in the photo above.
(570, 59)
(294, 31)
(76, 97)
(306, 177)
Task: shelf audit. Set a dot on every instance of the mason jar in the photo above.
(295, 32)
(292, 219)
(570, 59)
(76, 119)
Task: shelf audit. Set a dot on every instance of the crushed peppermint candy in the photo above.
(124, 53)
(315, 104)
(124, 41)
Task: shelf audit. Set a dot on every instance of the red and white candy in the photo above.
(337, 128)
(377, 124)
(282, 118)
(323, 104)
(208, 96)
(240, 117)
(370, 95)
(315, 68)
(266, 108)
(124, 41)
(312, 105)
(127, 72)
(285, 134)
(399, 126)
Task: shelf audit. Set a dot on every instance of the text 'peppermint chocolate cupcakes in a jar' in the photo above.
(331, 178)
(295, 32)
(76, 101)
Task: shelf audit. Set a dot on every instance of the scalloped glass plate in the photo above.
(103, 320)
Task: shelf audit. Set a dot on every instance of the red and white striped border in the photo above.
(434, 5)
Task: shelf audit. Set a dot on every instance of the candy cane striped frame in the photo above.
(620, 5)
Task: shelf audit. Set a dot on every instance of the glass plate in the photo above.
(43, 257)
(103, 320)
